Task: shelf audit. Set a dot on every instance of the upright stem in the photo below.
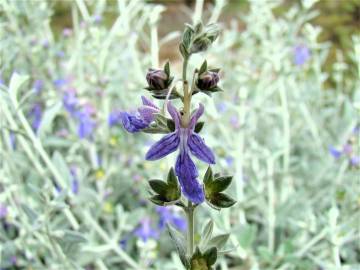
(190, 232)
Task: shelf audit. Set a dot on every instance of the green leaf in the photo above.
(171, 178)
(47, 119)
(178, 241)
(203, 67)
(170, 124)
(206, 234)
(31, 214)
(199, 126)
(221, 200)
(16, 82)
(198, 28)
(187, 36)
(219, 241)
(167, 68)
(211, 255)
(208, 177)
(220, 184)
(184, 52)
(158, 200)
(158, 186)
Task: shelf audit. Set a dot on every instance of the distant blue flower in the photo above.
(86, 124)
(97, 18)
(187, 141)
(335, 152)
(74, 181)
(145, 231)
(167, 215)
(301, 54)
(3, 211)
(13, 260)
(38, 86)
(145, 115)
(70, 101)
(60, 54)
(229, 160)
(221, 107)
(45, 43)
(36, 115)
(115, 118)
(355, 160)
(13, 140)
(67, 32)
(60, 82)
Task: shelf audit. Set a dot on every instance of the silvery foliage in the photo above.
(298, 207)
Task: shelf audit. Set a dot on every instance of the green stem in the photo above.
(190, 232)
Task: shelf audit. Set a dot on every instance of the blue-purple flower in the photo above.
(135, 122)
(36, 115)
(70, 101)
(3, 211)
(185, 139)
(86, 124)
(145, 231)
(168, 215)
(301, 54)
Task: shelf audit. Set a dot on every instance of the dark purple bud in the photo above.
(207, 80)
(157, 79)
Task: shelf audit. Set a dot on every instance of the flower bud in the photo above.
(207, 80)
(157, 79)
(200, 44)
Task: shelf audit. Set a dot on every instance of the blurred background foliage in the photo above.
(73, 186)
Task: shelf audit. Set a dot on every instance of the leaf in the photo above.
(221, 200)
(62, 167)
(187, 36)
(30, 213)
(178, 241)
(48, 118)
(211, 255)
(158, 186)
(167, 68)
(72, 236)
(220, 184)
(206, 233)
(199, 126)
(208, 177)
(171, 178)
(219, 241)
(158, 200)
(203, 67)
(170, 125)
(184, 52)
(16, 82)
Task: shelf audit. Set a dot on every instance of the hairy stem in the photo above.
(190, 229)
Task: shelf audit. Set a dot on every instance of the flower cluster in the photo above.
(182, 186)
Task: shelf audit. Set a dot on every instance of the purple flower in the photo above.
(188, 141)
(157, 79)
(136, 122)
(38, 86)
(97, 18)
(115, 118)
(355, 160)
(13, 140)
(3, 211)
(70, 101)
(335, 152)
(167, 215)
(60, 82)
(145, 231)
(301, 54)
(36, 115)
(67, 32)
(74, 180)
(86, 124)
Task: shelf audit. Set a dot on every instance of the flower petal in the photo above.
(147, 113)
(148, 102)
(200, 150)
(132, 123)
(186, 171)
(174, 114)
(167, 144)
(196, 115)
